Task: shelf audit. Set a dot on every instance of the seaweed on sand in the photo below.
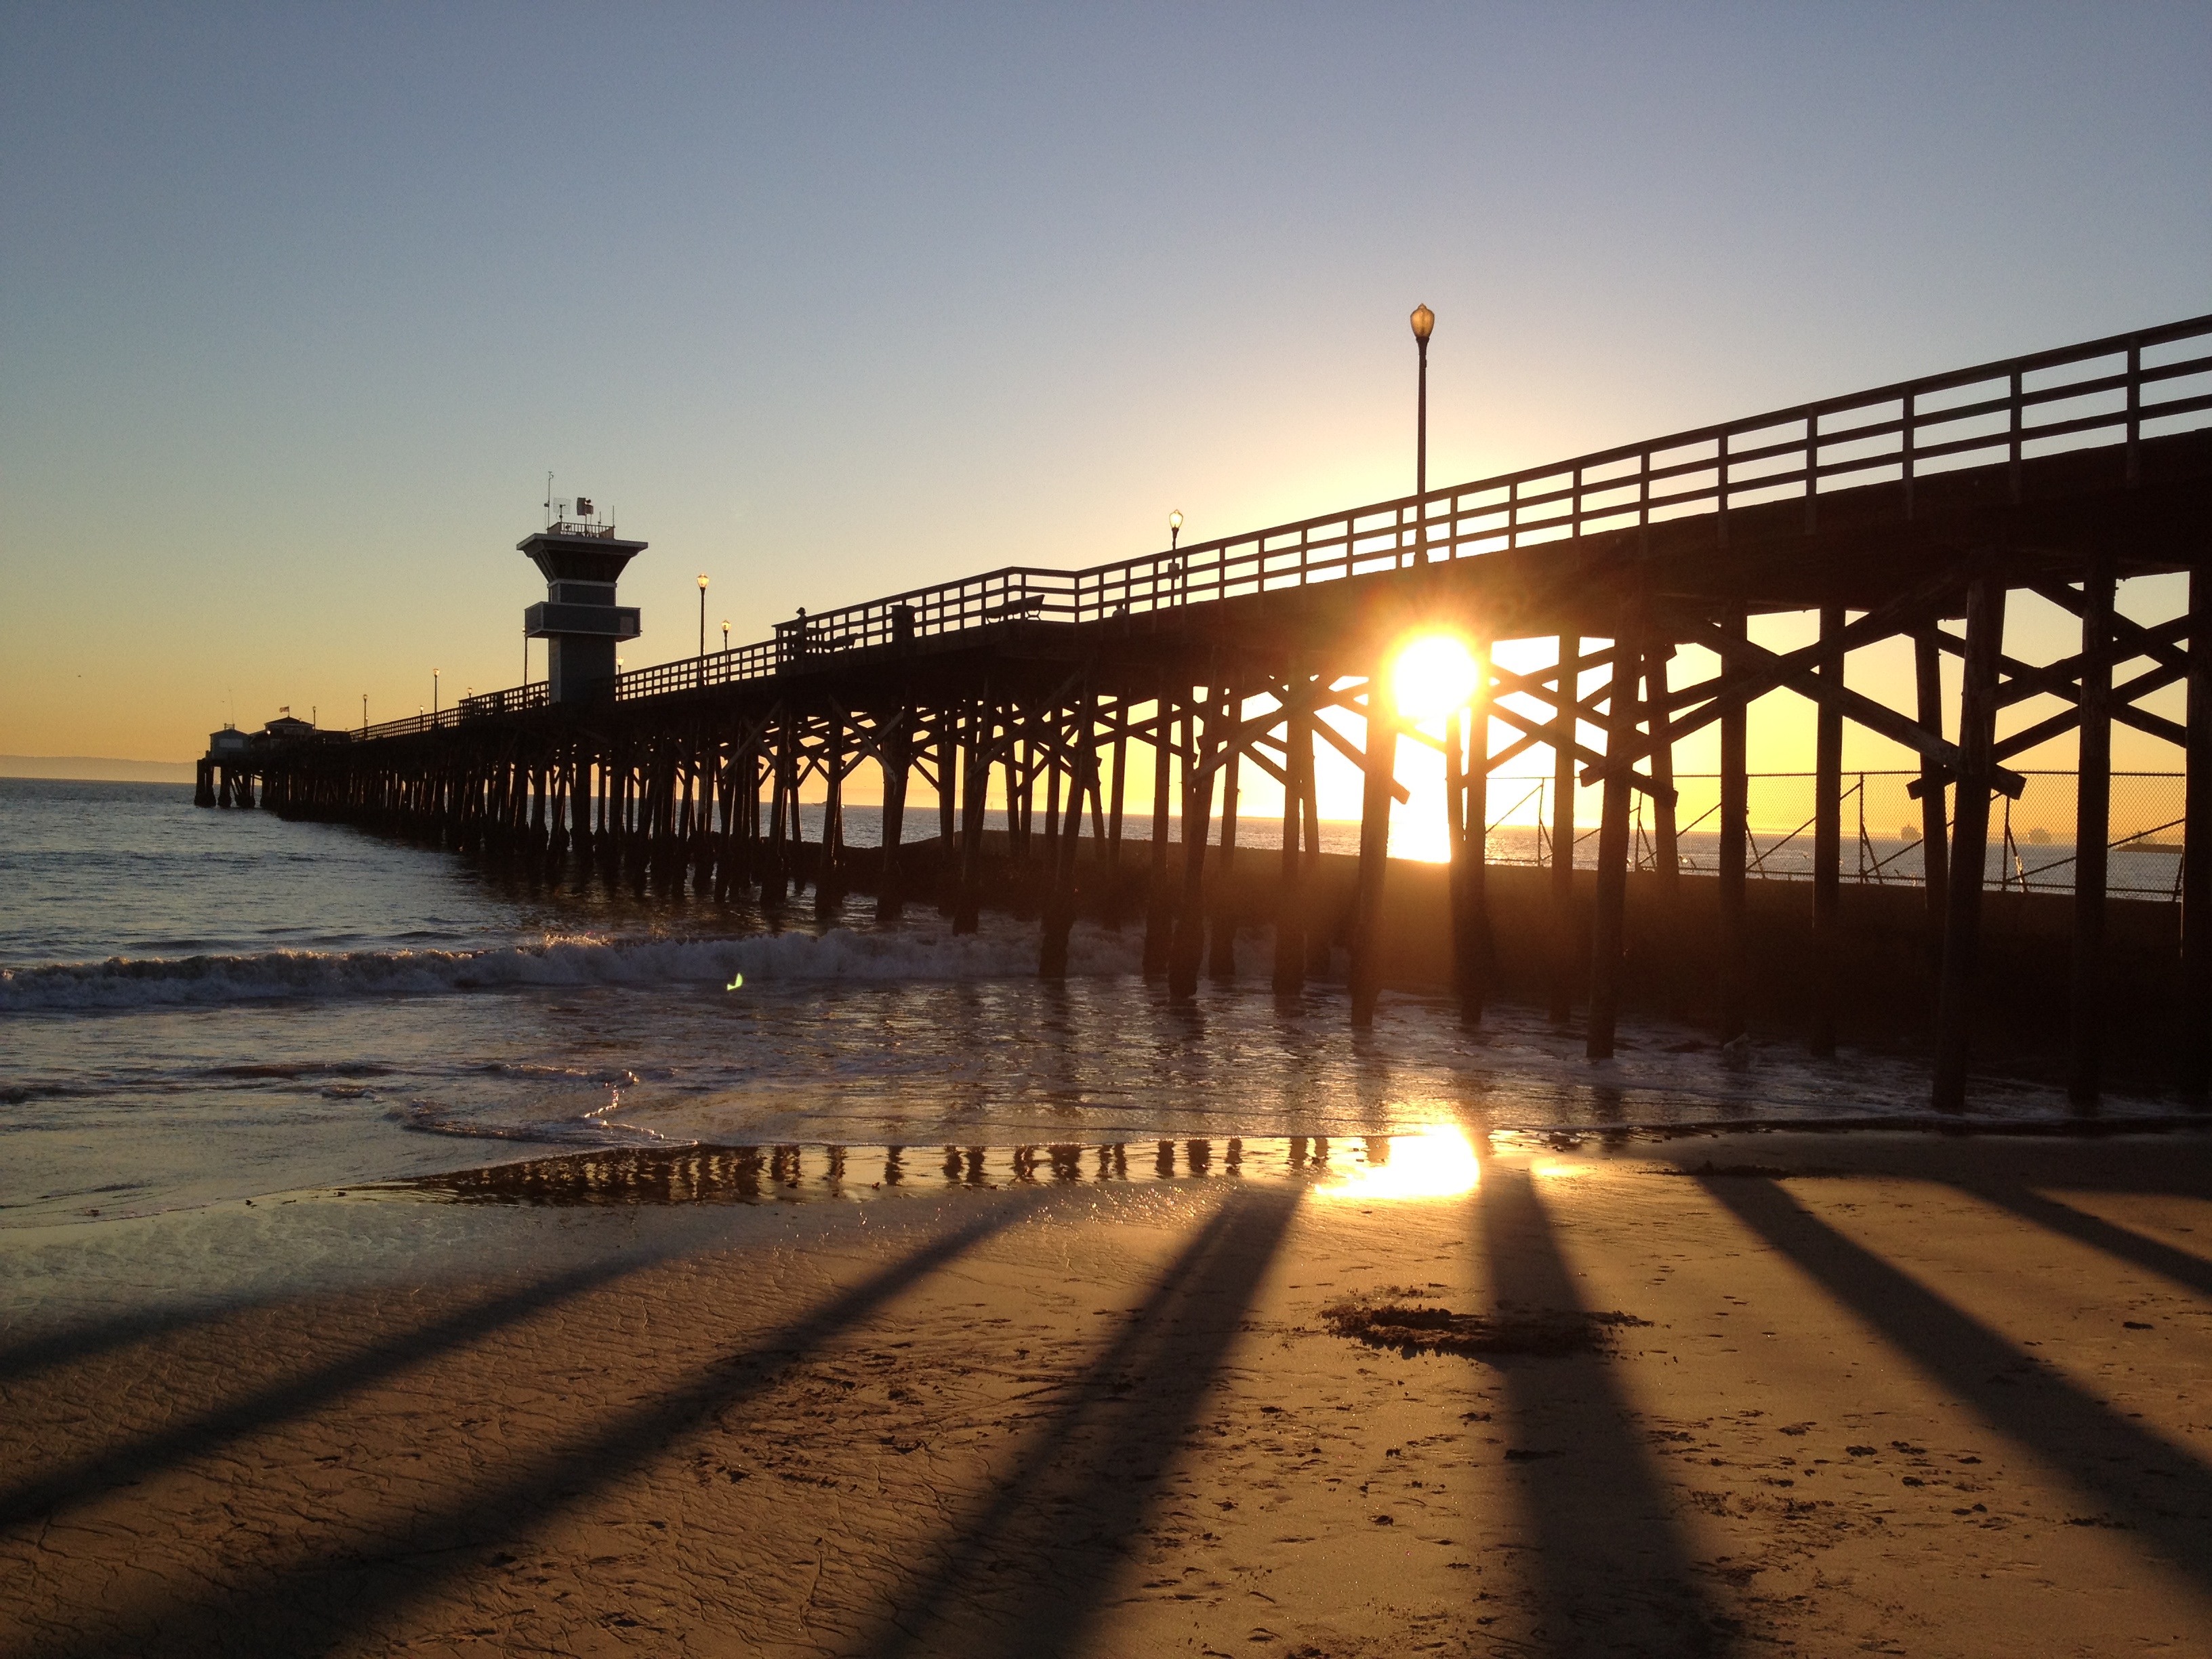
(1385, 1320)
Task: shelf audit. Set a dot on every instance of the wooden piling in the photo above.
(1978, 710)
(1608, 921)
(1827, 837)
(1735, 839)
(1221, 943)
(1471, 916)
(1060, 904)
(1564, 931)
(896, 751)
(1186, 953)
(1934, 818)
(967, 910)
(1290, 891)
(2093, 827)
(1381, 771)
(2196, 847)
(1159, 908)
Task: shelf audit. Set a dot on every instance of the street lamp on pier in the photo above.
(725, 636)
(702, 613)
(1175, 533)
(434, 693)
(1423, 321)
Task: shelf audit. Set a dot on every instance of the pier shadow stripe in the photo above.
(2073, 1433)
(332, 1600)
(127, 1462)
(1614, 1568)
(22, 1360)
(2179, 1267)
(1072, 1508)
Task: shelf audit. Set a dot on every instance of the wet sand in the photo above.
(1887, 1393)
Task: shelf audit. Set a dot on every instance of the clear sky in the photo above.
(299, 303)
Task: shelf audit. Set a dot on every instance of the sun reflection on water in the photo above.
(1435, 1160)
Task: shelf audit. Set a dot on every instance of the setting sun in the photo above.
(1434, 675)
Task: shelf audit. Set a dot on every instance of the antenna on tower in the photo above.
(548, 501)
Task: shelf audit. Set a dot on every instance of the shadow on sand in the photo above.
(336, 1593)
(1611, 1565)
(2140, 1481)
(1091, 1478)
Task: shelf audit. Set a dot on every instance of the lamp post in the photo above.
(364, 714)
(1175, 532)
(1424, 321)
(433, 694)
(702, 613)
(725, 636)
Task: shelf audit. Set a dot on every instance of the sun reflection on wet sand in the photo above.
(1436, 1160)
(1430, 1161)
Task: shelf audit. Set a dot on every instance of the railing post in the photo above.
(1908, 444)
(2012, 470)
(2135, 411)
(1812, 471)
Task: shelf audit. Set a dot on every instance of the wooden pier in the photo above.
(1912, 510)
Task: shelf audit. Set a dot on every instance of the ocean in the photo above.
(200, 1005)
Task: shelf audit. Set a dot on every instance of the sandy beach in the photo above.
(1868, 1394)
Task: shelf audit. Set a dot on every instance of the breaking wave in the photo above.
(123, 983)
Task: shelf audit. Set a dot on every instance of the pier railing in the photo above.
(2106, 393)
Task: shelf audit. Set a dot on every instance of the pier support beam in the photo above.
(1186, 953)
(1471, 854)
(1221, 945)
(1118, 799)
(1970, 835)
(1381, 770)
(1059, 902)
(1935, 819)
(1564, 933)
(1734, 838)
(976, 769)
(1608, 921)
(2092, 834)
(2196, 847)
(1290, 892)
(898, 750)
(1159, 905)
(1827, 837)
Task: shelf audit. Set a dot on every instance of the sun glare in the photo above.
(1434, 675)
(1436, 1160)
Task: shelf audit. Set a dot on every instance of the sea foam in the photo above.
(121, 982)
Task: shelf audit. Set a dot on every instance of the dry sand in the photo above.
(1894, 1394)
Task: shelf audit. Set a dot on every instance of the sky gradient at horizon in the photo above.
(298, 306)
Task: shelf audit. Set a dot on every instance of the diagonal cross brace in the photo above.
(1774, 671)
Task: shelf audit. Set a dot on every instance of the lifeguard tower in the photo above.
(582, 559)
